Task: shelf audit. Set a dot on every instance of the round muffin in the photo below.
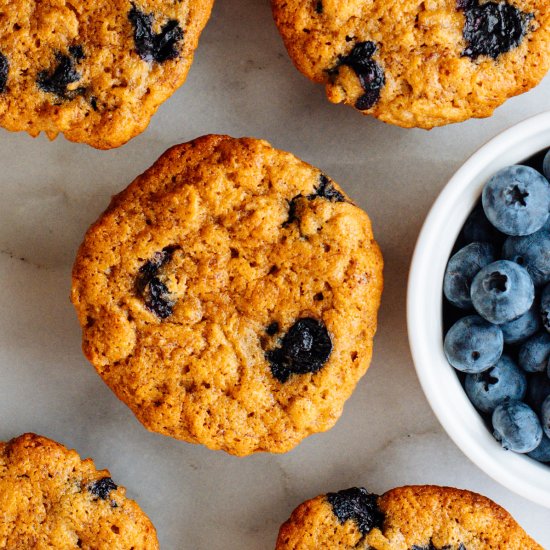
(50, 498)
(229, 296)
(407, 518)
(417, 63)
(95, 71)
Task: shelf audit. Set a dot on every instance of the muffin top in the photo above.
(418, 63)
(50, 498)
(421, 517)
(95, 71)
(229, 296)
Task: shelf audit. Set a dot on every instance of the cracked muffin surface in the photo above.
(422, 517)
(50, 498)
(94, 71)
(417, 63)
(229, 296)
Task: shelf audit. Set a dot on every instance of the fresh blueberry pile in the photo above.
(497, 307)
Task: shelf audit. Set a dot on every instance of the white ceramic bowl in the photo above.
(443, 390)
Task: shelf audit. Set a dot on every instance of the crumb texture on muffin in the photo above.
(94, 71)
(407, 518)
(50, 498)
(418, 63)
(229, 296)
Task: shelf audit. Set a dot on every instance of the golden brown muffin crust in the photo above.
(421, 517)
(50, 498)
(108, 83)
(252, 250)
(420, 48)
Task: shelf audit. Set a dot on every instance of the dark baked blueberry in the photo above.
(292, 207)
(93, 103)
(77, 52)
(58, 81)
(369, 72)
(326, 191)
(368, 100)
(357, 505)
(272, 328)
(492, 28)
(360, 56)
(4, 70)
(153, 291)
(157, 298)
(152, 46)
(465, 4)
(102, 487)
(319, 7)
(305, 348)
(151, 268)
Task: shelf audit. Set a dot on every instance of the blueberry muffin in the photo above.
(419, 63)
(50, 498)
(229, 296)
(95, 71)
(407, 518)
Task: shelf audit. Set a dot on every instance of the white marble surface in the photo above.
(242, 83)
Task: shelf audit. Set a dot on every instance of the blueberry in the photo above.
(532, 252)
(473, 345)
(158, 299)
(545, 416)
(502, 291)
(534, 354)
(102, 487)
(538, 389)
(461, 270)
(64, 74)
(370, 73)
(292, 210)
(326, 190)
(359, 506)
(489, 388)
(546, 165)
(305, 348)
(149, 286)
(545, 307)
(517, 427)
(151, 46)
(492, 28)
(4, 70)
(542, 452)
(516, 200)
(478, 228)
(522, 328)
(77, 52)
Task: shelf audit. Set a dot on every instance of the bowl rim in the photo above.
(518, 473)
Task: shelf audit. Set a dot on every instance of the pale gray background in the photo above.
(242, 83)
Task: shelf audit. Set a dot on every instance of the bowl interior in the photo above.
(441, 385)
